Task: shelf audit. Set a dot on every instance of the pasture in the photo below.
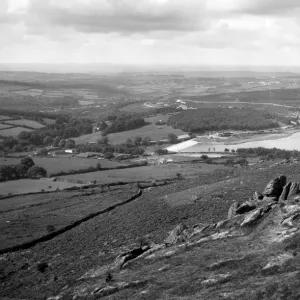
(152, 172)
(28, 123)
(4, 126)
(24, 186)
(65, 164)
(155, 132)
(4, 118)
(14, 131)
(136, 107)
(49, 121)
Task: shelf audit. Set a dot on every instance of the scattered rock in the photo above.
(109, 290)
(275, 263)
(214, 279)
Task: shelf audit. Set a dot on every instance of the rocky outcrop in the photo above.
(285, 192)
(252, 217)
(178, 234)
(275, 263)
(232, 210)
(274, 187)
(257, 196)
(245, 207)
(294, 190)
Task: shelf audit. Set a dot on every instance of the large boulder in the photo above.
(232, 210)
(274, 187)
(285, 192)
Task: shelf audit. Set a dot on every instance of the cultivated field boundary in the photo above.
(56, 233)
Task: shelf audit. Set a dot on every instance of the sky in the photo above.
(171, 32)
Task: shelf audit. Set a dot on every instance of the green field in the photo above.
(13, 131)
(57, 164)
(24, 122)
(136, 107)
(153, 172)
(4, 126)
(24, 186)
(3, 118)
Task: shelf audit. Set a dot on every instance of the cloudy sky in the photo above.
(226, 32)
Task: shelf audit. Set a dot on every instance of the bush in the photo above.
(161, 151)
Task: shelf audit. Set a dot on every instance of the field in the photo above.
(28, 123)
(24, 219)
(136, 107)
(24, 186)
(4, 118)
(57, 164)
(152, 172)
(4, 126)
(155, 132)
(13, 131)
(49, 121)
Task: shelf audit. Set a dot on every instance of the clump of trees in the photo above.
(209, 119)
(58, 135)
(26, 169)
(123, 123)
(267, 153)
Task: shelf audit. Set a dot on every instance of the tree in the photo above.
(108, 155)
(98, 166)
(232, 151)
(172, 137)
(55, 142)
(161, 151)
(28, 162)
(146, 141)
(137, 140)
(103, 141)
(43, 152)
(102, 125)
(70, 144)
(35, 139)
(7, 172)
(24, 135)
(47, 140)
(36, 172)
(129, 142)
(62, 143)
(226, 150)
(21, 170)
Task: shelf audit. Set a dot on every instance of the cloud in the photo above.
(150, 30)
(269, 7)
(117, 16)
